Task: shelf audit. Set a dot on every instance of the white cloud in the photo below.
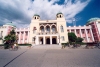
(21, 11)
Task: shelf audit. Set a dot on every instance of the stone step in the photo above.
(47, 47)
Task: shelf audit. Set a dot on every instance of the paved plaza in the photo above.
(50, 58)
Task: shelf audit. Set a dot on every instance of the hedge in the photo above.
(24, 44)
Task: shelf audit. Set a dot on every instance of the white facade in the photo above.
(50, 32)
(43, 32)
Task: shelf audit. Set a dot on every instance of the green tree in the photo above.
(11, 38)
(72, 37)
(79, 39)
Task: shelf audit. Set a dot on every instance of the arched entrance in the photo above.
(48, 40)
(41, 40)
(54, 41)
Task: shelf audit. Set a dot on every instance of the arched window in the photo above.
(53, 28)
(62, 38)
(60, 16)
(48, 29)
(42, 29)
(35, 17)
(61, 28)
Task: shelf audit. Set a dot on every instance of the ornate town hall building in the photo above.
(48, 31)
(51, 32)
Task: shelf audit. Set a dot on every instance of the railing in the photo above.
(46, 33)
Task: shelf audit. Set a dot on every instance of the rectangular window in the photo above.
(62, 29)
(72, 31)
(33, 39)
(34, 31)
(62, 37)
(77, 32)
(82, 31)
(88, 31)
(26, 34)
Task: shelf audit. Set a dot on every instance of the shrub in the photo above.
(24, 44)
(1, 44)
(65, 44)
(6, 46)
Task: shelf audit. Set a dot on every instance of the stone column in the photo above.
(75, 32)
(37, 40)
(27, 36)
(19, 37)
(23, 36)
(81, 33)
(44, 40)
(86, 36)
(92, 35)
(44, 29)
(57, 39)
(50, 29)
(50, 40)
(70, 30)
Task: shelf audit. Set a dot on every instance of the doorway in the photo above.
(48, 41)
(54, 41)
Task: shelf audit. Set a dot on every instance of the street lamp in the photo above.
(73, 21)
(59, 39)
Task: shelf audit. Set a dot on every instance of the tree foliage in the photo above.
(11, 38)
(79, 39)
(72, 37)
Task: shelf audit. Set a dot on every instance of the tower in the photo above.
(61, 28)
(34, 29)
(36, 17)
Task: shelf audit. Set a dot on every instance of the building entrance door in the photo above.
(41, 40)
(48, 40)
(54, 41)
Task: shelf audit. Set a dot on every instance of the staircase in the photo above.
(47, 46)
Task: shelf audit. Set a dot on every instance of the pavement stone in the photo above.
(50, 58)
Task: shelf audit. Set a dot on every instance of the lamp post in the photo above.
(73, 21)
(59, 40)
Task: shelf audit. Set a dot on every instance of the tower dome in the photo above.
(93, 19)
(36, 16)
(10, 23)
(59, 15)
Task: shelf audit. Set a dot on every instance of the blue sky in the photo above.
(90, 11)
(20, 12)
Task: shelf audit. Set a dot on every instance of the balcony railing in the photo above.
(47, 33)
